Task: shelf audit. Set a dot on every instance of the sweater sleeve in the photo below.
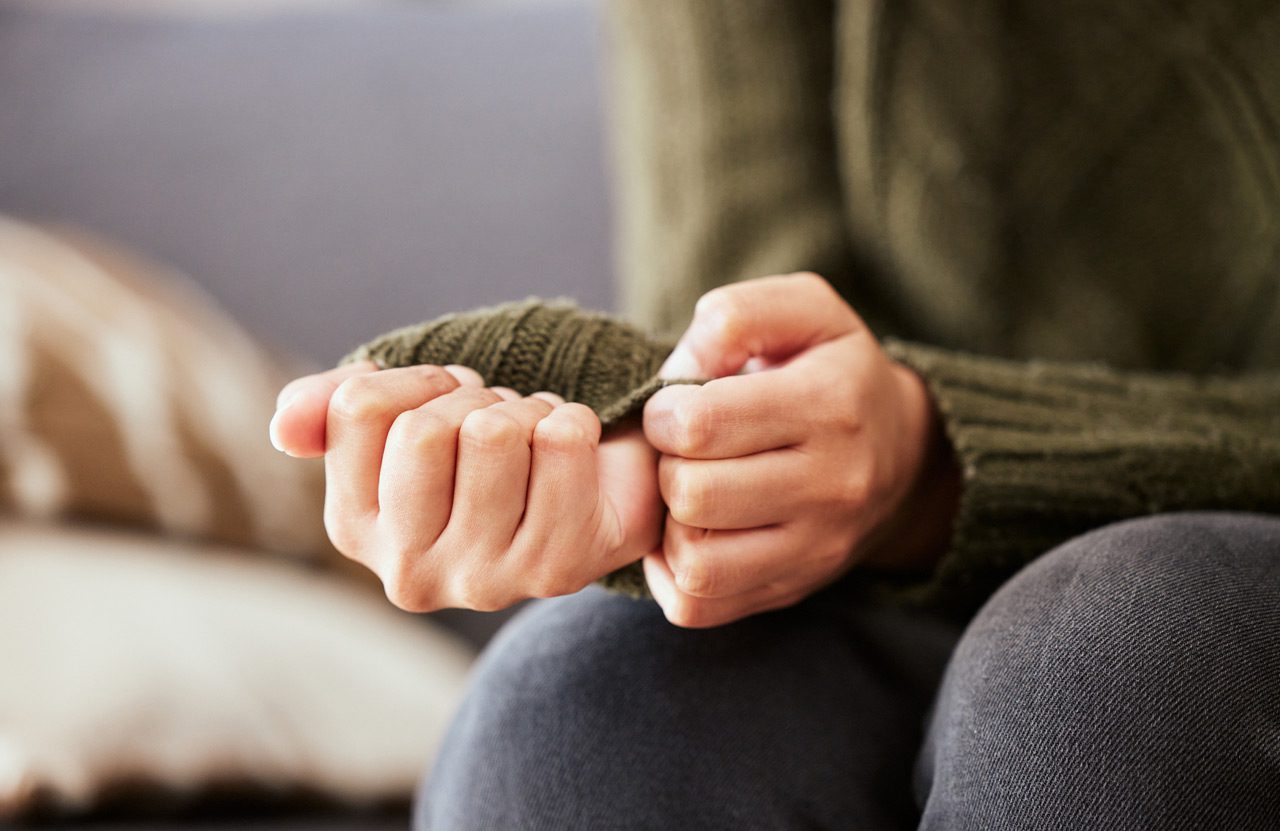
(1050, 450)
(724, 145)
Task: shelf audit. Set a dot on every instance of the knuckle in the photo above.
(488, 428)
(687, 612)
(359, 399)
(402, 589)
(419, 430)
(823, 292)
(690, 497)
(563, 434)
(854, 489)
(467, 594)
(724, 311)
(584, 417)
(698, 578)
(831, 417)
(818, 286)
(693, 425)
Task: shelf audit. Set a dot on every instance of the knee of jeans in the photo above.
(562, 659)
(1138, 637)
(538, 719)
(557, 678)
(1163, 573)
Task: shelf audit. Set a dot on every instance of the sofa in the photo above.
(324, 173)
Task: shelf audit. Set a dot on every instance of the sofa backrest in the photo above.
(326, 174)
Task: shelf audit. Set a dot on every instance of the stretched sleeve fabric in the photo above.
(533, 345)
(1050, 450)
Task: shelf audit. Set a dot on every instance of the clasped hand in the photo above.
(810, 451)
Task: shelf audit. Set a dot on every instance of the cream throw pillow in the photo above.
(137, 664)
(130, 659)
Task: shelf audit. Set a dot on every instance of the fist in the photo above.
(458, 495)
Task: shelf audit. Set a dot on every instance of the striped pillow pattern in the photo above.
(127, 396)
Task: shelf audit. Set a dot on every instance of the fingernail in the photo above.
(286, 397)
(282, 406)
(506, 393)
(273, 430)
(465, 375)
(681, 363)
(549, 397)
(659, 409)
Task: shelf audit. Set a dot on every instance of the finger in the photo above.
(693, 612)
(550, 397)
(360, 413)
(816, 390)
(298, 426)
(707, 563)
(728, 493)
(563, 500)
(771, 318)
(493, 472)
(506, 393)
(728, 417)
(629, 488)
(415, 486)
(466, 376)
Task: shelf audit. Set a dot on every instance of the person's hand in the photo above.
(457, 495)
(825, 453)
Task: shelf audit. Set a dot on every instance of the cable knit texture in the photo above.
(1064, 216)
(534, 345)
(1051, 450)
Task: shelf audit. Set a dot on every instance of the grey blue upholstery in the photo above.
(326, 175)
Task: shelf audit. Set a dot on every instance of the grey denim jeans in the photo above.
(1129, 679)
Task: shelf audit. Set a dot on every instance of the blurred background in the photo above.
(198, 200)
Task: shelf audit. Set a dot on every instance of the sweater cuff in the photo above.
(1051, 450)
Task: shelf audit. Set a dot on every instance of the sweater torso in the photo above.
(1086, 181)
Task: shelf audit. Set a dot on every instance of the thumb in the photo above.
(772, 318)
(629, 486)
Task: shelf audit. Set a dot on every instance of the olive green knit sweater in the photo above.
(1064, 216)
(533, 345)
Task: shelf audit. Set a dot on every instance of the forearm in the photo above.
(1051, 450)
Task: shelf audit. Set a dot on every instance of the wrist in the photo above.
(919, 532)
